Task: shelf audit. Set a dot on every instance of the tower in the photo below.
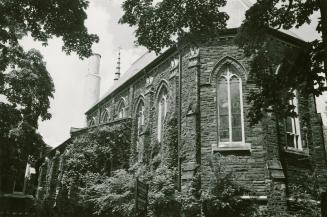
(117, 73)
(92, 82)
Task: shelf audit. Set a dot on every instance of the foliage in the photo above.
(189, 198)
(223, 198)
(170, 143)
(299, 68)
(305, 196)
(101, 150)
(305, 203)
(43, 20)
(25, 84)
(25, 90)
(162, 192)
(112, 196)
(89, 184)
(159, 23)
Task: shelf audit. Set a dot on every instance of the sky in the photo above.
(69, 72)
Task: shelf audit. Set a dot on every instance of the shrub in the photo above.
(162, 192)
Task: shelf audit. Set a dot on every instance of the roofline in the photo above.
(168, 52)
(59, 147)
(274, 32)
(286, 37)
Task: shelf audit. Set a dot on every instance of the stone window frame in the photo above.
(212, 81)
(137, 115)
(92, 122)
(105, 115)
(159, 97)
(121, 108)
(139, 128)
(295, 125)
(228, 75)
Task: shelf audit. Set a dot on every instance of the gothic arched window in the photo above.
(92, 121)
(121, 111)
(139, 129)
(162, 111)
(230, 107)
(293, 134)
(105, 116)
(140, 116)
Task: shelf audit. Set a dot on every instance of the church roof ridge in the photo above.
(148, 59)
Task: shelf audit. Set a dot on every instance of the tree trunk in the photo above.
(323, 13)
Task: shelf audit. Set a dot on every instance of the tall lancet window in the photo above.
(139, 129)
(162, 111)
(91, 122)
(230, 108)
(121, 109)
(140, 116)
(293, 134)
(105, 116)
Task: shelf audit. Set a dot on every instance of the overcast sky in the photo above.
(68, 72)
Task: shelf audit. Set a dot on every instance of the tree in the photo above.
(25, 84)
(159, 24)
(277, 76)
(162, 23)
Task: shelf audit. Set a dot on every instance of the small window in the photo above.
(230, 108)
(162, 111)
(121, 109)
(292, 125)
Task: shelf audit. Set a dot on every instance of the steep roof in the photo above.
(136, 66)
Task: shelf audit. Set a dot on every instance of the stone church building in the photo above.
(205, 85)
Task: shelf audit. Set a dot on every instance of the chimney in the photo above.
(92, 82)
(117, 73)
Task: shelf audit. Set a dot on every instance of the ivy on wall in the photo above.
(98, 181)
(89, 162)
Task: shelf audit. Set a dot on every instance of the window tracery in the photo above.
(230, 107)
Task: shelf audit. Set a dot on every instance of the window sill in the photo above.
(231, 148)
(304, 152)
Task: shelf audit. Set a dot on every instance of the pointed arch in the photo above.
(162, 108)
(227, 76)
(227, 61)
(105, 115)
(121, 108)
(163, 84)
(137, 102)
(139, 113)
(92, 121)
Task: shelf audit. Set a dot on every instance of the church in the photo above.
(204, 85)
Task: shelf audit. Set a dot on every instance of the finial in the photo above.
(117, 73)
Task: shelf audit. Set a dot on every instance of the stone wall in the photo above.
(189, 72)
